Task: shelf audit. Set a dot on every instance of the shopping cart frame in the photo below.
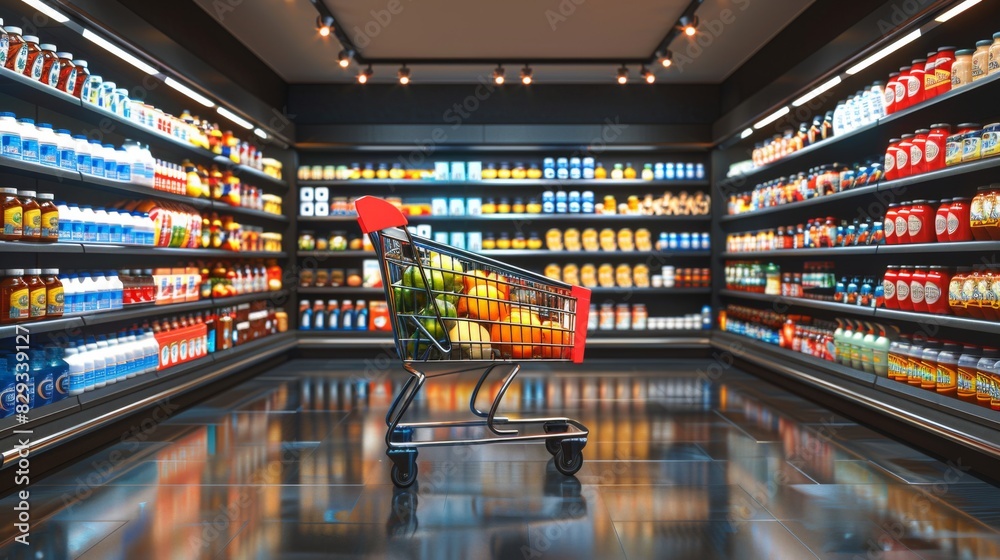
(564, 437)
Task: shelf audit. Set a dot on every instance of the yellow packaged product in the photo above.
(588, 276)
(643, 240)
(640, 276)
(623, 276)
(553, 272)
(571, 239)
(571, 274)
(606, 276)
(608, 240)
(553, 240)
(589, 240)
(626, 241)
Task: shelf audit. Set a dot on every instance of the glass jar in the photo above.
(50, 65)
(17, 49)
(943, 67)
(935, 147)
(981, 60)
(941, 221)
(953, 149)
(890, 224)
(979, 213)
(13, 215)
(929, 365)
(14, 297)
(915, 83)
(902, 225)
(33, 67)
(961, 69)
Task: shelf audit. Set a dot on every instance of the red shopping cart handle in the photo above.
(582, 296)
(376, 214)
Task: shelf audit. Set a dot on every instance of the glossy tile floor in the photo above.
(292, 465)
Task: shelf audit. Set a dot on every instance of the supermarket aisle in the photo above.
(292, 465)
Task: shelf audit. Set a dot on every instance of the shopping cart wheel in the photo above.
(568, 464)
(404, 467)
(553, 445)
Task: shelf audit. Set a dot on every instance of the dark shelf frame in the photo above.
(506, 183)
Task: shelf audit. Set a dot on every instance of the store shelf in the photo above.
(275, 296)
(238, 211)
(39, 327)
(38, 171)
(801, 302)
(949, 321)
(173, 252)
(141, 312)
(653, 291)
(519, 218)
(818, 201)
(19, 247)
(23, 87)
(982, 247)
(804, 158)
(328, 254)
(740, 344)
(130, 189)
(823, 252)
(976, 94)
(569, 184)
(330, 290)
(944, 403)
(365, 340)
(677, 340)
(985, 169)
(541, 253)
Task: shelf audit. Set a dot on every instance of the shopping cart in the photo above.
(450, 307)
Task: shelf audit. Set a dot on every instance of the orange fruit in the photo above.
(481, 303)
(518, 337)
(485, 278)
(554, 333)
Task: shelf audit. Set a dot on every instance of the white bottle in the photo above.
(152, 352)
(110, 162)
(103, 288)
(96, 159)
(75, 217)
(71, 289)
(838, 118)
(84, 163)
(135, 354)
(149, 164)
(88, 289)
(125, 219)
(10, 136)
(110, 360)
(89, 224)
(103, 225)
(100, 371)
(116, 231)
(122, 355)
(117, 289)
(48, 146)
(77, 383)
(126, 164)
(148, 230)
(90, 375)
(65, 226)
(29, 140)
(67, 150)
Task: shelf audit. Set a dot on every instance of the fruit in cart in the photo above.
(519, 336)
(554, 333)
(429, 320)
(408, 299)
(472, 340)
(450, 273)
(485, 303)
(487, 278)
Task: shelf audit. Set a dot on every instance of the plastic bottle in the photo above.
(332, 315)
(48, 146)
(100, 364)
(305, 316)
(67, 150)
(60, 372)
(153, 352)
(347, 316)
(103, 224)
(29, 140)
(319, 316)
(127, 224)
(76, 222)
(89, 220)
(77, 373)
(8, 389)
(55, 293)
(110, 360)
(103, 286)
(124, 161)
(89, 366)
(41, 379)
(361, 316)
(110, 162)
(115, 227)
(83, 150)
(10, 136)
(120, 357)
(97, 164)
(117, 289)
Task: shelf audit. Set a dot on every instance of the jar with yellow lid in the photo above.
(490, 172)
(571, 274)
(503, 243)
(623, 276)
(518, 207)
(589, 240)
(553, 272)
(640, 276)
(625, 240)
(489, 206)
(588, 276)
(607, 240)
(489, 242)
(571, 239)
(519, 172)
(643, 240)
(533, 206)
(534, 172)
(519, 243)
(606, 276)
(355, 173)
(553, 240)
(504, 171)
(534, 242)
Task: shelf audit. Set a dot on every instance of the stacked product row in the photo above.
(817, 182)
(44, 63)
(814, 234)
(628, 276)
(635, 317)
(348, 316)
(563, 168)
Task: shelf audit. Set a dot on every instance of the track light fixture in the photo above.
(526, 75)
(404, 75)
(324, 24)
(498, 78)
(623, 75)
(344, 59)
(689, 25)
(365, 75)
(648, 76)
(667, 60)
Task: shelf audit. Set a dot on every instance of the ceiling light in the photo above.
(816, 92)
(913, 36)
(119, 52)
(498, 78)
(47, 10)
(667, 60)
(623, 75)
(260, 133)
(943, 17)
(324, 24)
(404, 75)
(235, 118)
(647, 75)
(526, 77)
(344, 59)
(365, 75)
(189, 92)
(689, 25)
(774, 116)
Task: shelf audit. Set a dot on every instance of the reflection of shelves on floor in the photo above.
(610, 339)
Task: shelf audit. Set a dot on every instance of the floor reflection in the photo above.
(292, 464)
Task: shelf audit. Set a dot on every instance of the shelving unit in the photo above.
(541, 253)
(568, 184)
(546, 218)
